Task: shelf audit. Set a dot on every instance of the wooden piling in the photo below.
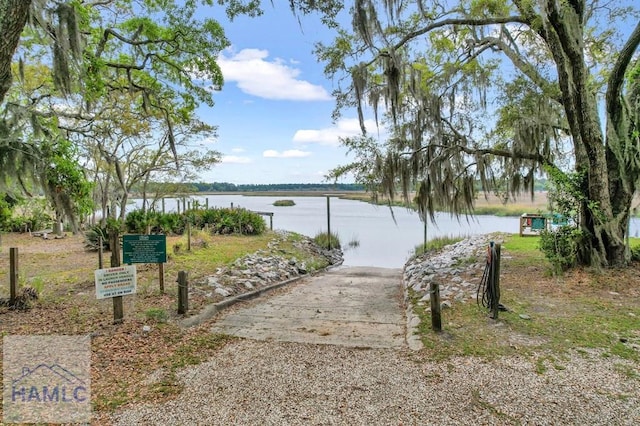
(183, 292)
(436, 317)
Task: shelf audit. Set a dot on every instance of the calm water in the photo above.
(383, 241)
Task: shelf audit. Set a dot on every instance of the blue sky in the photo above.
(274, 111)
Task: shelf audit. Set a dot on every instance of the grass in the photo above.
(436, 244)
(284, 203)
(323, 239)
(574, 311)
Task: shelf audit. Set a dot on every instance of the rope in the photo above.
(487, 293)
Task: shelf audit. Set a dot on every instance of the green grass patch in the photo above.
(327, 241)
(284, 203)
(559, 319)
(436, 244)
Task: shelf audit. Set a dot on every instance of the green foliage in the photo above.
(560, 247)
(219, 221)
(284, 203)
(326, 241)
(92, 237)
(567, 192)
(28, 215)
(6, 212)
(158, 315)
(437, 243)
(68, 188)
(229, 221)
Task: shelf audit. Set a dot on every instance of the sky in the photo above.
(274, 110)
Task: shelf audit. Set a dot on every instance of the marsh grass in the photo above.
(324, 240)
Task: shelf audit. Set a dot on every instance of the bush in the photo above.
(221, 221)
(284, 203)
(560, 247)
(92, 238)
(323, 239)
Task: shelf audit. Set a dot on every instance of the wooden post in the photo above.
(271, 221)
(424, 248)
(495, 301)
(183, 292)
(436, 318)
(188, 205)
(161, 277)
(118, 307)
(329, 222)
(184, 204)
(206, 201)
(178, 204)
(188, 236)
(162, 205)
(13, 275)
(100, 253)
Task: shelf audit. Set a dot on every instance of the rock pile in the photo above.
(266, 267)
(457, 268)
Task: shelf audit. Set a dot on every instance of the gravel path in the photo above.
(270, 383)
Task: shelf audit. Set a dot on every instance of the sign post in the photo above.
(146, 249)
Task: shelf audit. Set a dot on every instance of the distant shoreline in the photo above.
(489, 205)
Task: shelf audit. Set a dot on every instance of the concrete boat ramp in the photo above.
(346, 306)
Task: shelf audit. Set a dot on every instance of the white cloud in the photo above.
(347, 127)
(257, 76)
(238, 150)
(292, 153)
(234, 159)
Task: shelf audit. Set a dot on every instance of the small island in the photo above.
(284, 203)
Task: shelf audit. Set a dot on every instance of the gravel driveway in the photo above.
(269, 383)
(272, 382)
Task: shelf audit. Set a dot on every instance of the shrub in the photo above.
(234, 221)
(92, 238)
(284, 203)
(323, 239)
(560, 247)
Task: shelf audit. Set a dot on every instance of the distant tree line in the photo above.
(231, 187)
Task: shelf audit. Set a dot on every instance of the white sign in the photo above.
(118, 281)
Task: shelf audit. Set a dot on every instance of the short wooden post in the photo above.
(188, 205)
(271, 221)
(118, 306)
(206, 202)
(183, 292)
(436, 318)
(100, 253)
(162, 205)
(161, 277)
(329, 222)
(13, 275)
(178, 204)
(184, 204)
(188, 236)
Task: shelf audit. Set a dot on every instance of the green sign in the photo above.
(144, 249)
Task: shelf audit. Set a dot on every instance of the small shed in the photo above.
(532, 224)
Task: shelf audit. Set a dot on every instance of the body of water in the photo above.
(382, 241)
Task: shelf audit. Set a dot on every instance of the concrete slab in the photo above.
(346, 306)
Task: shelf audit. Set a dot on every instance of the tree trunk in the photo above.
(13, 18)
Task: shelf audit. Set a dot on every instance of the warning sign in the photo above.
(117, 281)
